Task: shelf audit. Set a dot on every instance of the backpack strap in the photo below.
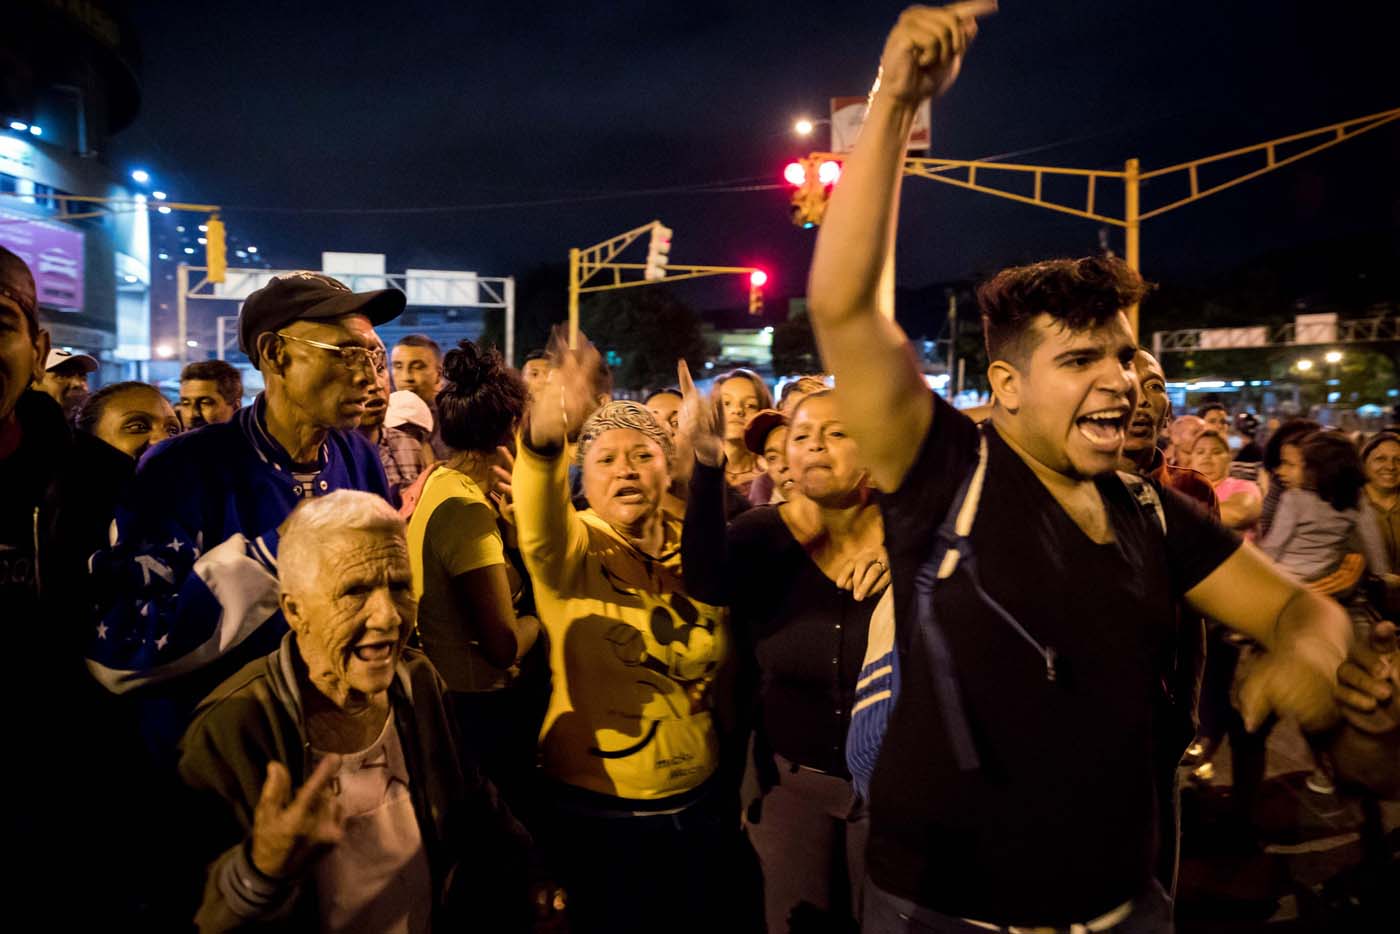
(950, 545)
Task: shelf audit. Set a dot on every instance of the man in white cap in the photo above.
(404, 457)
(65, 378)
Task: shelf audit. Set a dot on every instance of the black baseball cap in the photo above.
(309, 296)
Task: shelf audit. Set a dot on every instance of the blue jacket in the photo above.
(189, 589)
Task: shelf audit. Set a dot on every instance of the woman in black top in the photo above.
(802, 579)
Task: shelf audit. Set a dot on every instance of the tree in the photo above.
(795, 347)
(643, 331)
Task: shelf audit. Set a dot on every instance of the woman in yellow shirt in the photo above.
(467, 589)
(640, 812)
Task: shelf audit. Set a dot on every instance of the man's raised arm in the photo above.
(884, 401)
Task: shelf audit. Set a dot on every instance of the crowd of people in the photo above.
(417, 641)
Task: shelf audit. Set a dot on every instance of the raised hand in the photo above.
(501, 479)
(697, 423)
(925, 49)
(291, 832)
(558, 411)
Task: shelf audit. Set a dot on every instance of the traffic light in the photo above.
(757, 279)
(658, 251)
(215, 252)
(812, 180)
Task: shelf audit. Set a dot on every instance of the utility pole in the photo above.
(952, 355)
(963, 173)
(587, 262)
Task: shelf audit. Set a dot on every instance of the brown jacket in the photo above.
(256, 717)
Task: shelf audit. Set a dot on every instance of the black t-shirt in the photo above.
(1059, 822)
(808, 636)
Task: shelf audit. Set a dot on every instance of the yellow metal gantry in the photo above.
(587, 262)
(1132, 178)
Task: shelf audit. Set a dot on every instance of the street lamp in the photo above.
(805, 126)
(140, 176)
(1304, 365)
(1333, 356)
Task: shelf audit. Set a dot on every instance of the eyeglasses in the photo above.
(350, 356)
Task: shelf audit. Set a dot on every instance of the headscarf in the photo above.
(623, 413)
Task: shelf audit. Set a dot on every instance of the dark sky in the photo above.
(301, 106)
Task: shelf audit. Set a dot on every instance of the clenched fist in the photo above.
(925, 49)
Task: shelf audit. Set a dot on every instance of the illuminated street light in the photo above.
(18, 126)
(803, 127)
(163, 209)
(252, 249)
(1304, 365)
(1333, 356)
(35, 130)
(165, 351)
(191, 343)
(140, 176)
(158, 195)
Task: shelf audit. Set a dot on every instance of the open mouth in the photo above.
(629, 494)
(1103, 430)
(1140, 426)
(374, 651)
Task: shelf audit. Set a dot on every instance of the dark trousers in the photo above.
(889, 914)
(810, 839)
(689, 871)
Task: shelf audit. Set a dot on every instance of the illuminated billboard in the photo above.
(54, 254)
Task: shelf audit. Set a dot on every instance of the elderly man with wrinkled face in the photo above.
(334, 755)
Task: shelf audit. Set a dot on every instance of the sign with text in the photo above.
(54, 254)
(848, 114)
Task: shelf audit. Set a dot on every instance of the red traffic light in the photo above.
(758, 278)
(795, 173)
(829, 172)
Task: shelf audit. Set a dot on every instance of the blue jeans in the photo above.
(889, 914)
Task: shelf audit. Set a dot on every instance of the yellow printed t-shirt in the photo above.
(452, 531)
(634, 660)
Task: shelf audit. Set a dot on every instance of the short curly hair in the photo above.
(1077, 293)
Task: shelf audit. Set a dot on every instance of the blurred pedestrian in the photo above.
(211, 391)
(468, 590)
(417, 363)
(737, 395)
(65, 379)
(1240, 499)
(1381, 461)
(1283, 466)
(535, 370)
(402, 454)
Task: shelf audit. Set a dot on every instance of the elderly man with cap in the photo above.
(326, 773)
(65, 379)
(189, 589)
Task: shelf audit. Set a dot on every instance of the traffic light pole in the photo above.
(940, 170)
(587, 262)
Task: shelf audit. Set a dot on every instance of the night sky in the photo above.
(281, 110)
